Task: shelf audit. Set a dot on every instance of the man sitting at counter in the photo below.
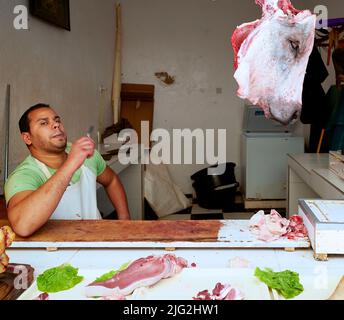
(58, 180)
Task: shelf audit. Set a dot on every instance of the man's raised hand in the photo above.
(81, 150)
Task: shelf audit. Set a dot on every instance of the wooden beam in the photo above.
(116, 89)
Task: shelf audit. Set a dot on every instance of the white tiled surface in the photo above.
(40, 259)
(319, 278)
(100, 259)
(301, 260)
(204, 258)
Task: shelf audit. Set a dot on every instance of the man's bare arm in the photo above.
(28, 211)
(116, 192)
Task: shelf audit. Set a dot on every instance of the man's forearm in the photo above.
(33, 212)
(118, 198)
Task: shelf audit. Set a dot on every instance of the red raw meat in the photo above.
(143, 272)
(220, 292)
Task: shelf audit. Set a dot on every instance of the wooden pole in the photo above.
(116, 89)
(102, 104)
(321, 140)
(7, 131)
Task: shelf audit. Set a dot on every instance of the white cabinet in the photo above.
(264, 164)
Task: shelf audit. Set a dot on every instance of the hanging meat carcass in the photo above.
(271, 57)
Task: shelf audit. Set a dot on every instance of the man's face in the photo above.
(46, 131)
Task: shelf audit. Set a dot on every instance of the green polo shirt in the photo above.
(29, 177)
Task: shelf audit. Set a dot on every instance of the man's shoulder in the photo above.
(28, 165)
(27, 170)
(27, 176)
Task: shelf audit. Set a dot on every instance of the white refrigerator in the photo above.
(265, 145)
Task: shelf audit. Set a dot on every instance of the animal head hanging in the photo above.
(271, 57)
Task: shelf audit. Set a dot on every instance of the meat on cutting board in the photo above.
(6, 238)
(143, 272)
(296, 228)
(273, 226)
(271, 57)
(220, 292)
(269, 227)
(43, 296)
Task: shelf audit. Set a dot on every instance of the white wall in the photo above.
(51, 65)
(189, 39)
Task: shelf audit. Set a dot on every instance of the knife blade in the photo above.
(89, 132)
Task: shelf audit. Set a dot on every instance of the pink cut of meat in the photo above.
(271, 57)
(220, 292)
(143, 272)
(272, 226)
(269, 227)
(296, 228)
(43, 296)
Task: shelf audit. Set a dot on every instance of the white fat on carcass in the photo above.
(271, 57)
(269, 227)
(114, 297)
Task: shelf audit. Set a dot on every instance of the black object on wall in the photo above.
(56, 12)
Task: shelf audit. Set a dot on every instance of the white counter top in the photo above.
(317, 164)
(309, 177)
(278, 260)
(336, 183)
(318, 278)
(310, 161)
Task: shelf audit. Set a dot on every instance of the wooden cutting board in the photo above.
(7, 282)
(149, 234)
(115, 231)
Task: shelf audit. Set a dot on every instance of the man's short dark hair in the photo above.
(24, 124)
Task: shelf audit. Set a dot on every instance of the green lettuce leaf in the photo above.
(58, 279)
(286, 283)
(109, 275)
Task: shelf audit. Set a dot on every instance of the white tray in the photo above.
(317, 287)
(188, 283)
(183, 286)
